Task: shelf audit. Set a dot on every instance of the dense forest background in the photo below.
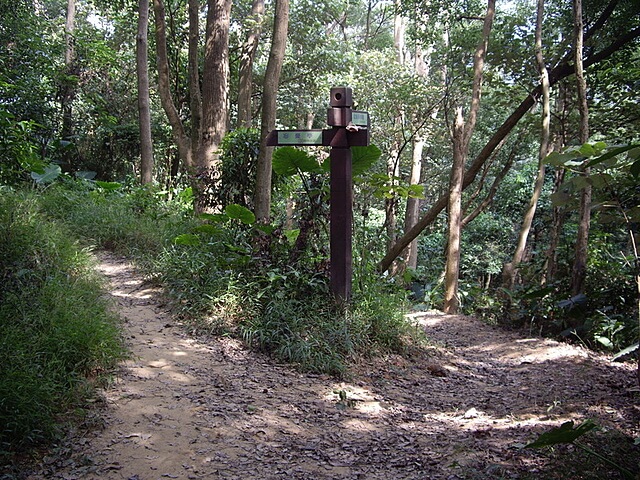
(502, 180)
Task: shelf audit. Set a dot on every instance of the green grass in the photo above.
(57, 336)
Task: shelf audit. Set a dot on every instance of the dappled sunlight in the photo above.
(188, 408)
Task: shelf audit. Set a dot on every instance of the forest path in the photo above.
(185, 408)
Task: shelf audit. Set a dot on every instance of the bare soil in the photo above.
(188, 408)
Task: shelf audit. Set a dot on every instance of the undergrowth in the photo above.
(56, 331)
(226, 275)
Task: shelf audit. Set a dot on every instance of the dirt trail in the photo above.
(187, 409)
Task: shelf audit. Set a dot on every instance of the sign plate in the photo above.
(360, 118)
(299, 137)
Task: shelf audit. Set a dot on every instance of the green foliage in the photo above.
(568, 433)
(55, 327)
(238, 159)
(226, 274)
(17, 150)
(130, 220)
(565, 433)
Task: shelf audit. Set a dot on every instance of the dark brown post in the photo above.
(349, 128)
(338, 117)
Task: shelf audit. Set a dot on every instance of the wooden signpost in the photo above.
(349, 128)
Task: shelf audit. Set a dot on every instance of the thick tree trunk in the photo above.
(510, 269)
(215, 83)
(247, 54)
(262, 200)
(563, 70)
(144, 112)
(582, 241)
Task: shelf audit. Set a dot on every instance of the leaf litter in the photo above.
(191, 408)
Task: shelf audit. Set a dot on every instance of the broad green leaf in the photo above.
(635, 168)
(292, 235)
(266, 228)
(587, 150)
(626, 351)
(363, 158)
(86, 175)
(581, 181)
(288, 161)
(51, 172)
(207, 228)
(416, 191)
(604, 341)
(558, 159)
(238, 212)
(565, 433)
(559, 198)
(214, 217)
(610, 154)
(634, 214)
(601, 180)
(108, 186)
(187, 239)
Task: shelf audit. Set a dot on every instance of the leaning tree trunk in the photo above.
(579, 273)
(144, 112)
(510, 269)
(262, 200)
(164, 87)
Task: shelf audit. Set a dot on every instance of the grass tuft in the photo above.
(56, 331)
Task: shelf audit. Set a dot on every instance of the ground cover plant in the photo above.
(57, 335)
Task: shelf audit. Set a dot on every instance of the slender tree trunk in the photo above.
(247, 54)
(262, 198)
(164, 88)
(68, 87)
(195, 99)
(510, 269)
(391, 203)
(413, 204)
(563, 70)
(452, 266)
(557, 214)
(421, 68)
(582, 241)
(399, 30)
(144, 112)
(461, 137)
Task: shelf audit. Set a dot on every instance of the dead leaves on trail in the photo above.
(189, 409)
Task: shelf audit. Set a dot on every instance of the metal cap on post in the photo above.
(341, 97)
